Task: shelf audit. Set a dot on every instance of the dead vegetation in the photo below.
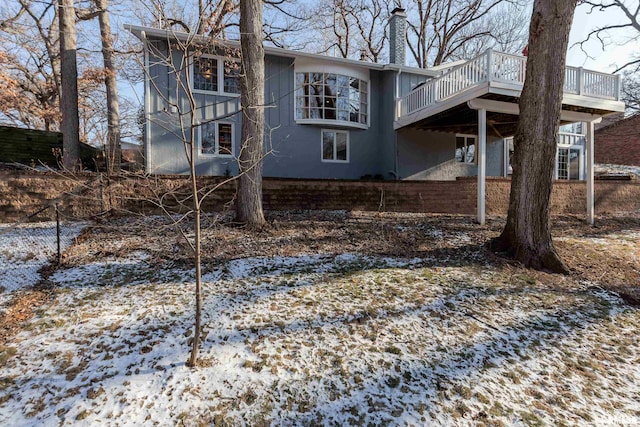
(444, 239)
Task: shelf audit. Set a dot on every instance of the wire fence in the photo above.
(26, 246)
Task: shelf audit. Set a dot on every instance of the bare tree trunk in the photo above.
(201, 17)
(193, 359)
(69, 82)
(249, 204)
(113, 107)
(527, 233)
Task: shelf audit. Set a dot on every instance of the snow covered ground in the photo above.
(603, 168)
(324, 340)
(26, 248)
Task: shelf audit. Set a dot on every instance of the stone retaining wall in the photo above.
(88, 195)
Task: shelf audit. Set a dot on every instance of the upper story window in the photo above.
(331, 97)
(216, 74)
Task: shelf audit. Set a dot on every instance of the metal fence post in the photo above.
(58, 232)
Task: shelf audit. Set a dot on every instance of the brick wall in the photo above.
(86, 195)
(619, 143)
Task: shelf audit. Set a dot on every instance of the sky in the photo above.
(615, 54)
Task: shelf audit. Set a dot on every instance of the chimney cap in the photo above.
(397, 10)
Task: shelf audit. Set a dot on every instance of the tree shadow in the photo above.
(382, 392)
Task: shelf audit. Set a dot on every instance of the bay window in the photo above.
(331, 97)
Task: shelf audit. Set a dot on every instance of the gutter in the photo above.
(143, 33)
(147, 106)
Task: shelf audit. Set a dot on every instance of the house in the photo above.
(618, 143)
(339, 118)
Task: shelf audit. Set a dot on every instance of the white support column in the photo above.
(482, 163)
(589, 148)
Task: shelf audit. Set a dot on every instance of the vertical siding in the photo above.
(293, 150)
(167, 148)
(421, 151)
(409, 81)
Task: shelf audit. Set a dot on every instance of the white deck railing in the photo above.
(504, 68)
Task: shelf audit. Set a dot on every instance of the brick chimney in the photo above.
(397, 36)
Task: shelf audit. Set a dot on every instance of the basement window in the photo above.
(216, 139)
(466, 148)
(335, 146)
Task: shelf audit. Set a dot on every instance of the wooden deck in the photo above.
(442, 102)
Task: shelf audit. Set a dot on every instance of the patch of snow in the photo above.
(331, 340)
(26, 248)
(609, 169)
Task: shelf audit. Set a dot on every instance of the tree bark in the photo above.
(69, 85)
(527, 233)
(249, 203)
(113, 107)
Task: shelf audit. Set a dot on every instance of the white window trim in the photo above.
(217, 153)
(581, 161)
(220, 65)
(333, 122)
(335, 152)
(475, 156)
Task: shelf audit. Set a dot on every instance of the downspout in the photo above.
(147, 105)
(395, 132)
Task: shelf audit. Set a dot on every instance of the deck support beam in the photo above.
(590, 179)
(514, 109)
(482, 163)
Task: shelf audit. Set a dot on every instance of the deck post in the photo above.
(590, 186)
(482, 163)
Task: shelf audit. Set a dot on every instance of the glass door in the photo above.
(570, 163)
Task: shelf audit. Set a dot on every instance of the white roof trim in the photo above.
(141, 31)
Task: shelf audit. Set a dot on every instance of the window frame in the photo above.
(581, 162)
(217, 153)
(466, 145)
(335, 148)
(332, 122)
(220, 62)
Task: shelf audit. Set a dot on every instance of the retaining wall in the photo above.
(88, 195)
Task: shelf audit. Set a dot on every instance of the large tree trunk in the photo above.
(249, 204)
(113, 107)
(527, 233)
(69, 84)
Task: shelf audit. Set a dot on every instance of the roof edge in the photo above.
(141, 32)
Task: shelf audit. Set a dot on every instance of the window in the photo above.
(466, 148)
(335, 146)
(330, 96)
(205, 74)
(570, 162)
(231, 77)
(210, 74)
(216, 139)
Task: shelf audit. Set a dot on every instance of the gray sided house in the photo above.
(334, 118)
